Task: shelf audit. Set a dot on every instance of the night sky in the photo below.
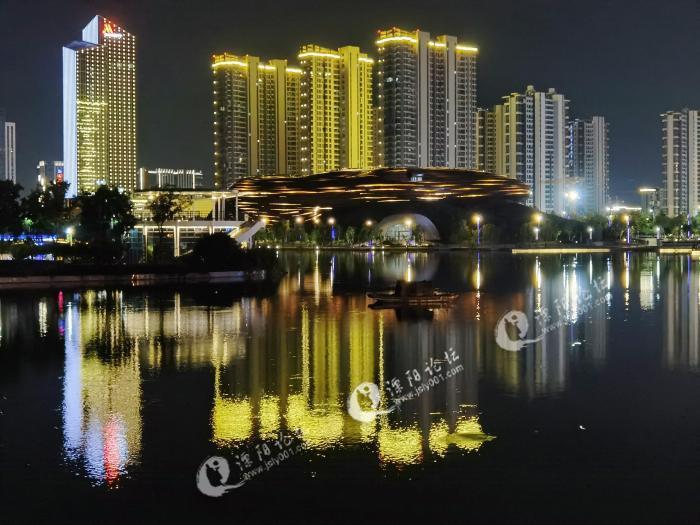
(629, 61)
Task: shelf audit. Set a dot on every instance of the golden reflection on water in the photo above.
(102, 398)
(290, 360)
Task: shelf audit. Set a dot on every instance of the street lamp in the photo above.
(298, 220)
(590, 233)
(369, 223)
(69, 234)
(331, 223)
(627, 220)
(658, 233)
(572, 197)
(536, 229)
(477, 220)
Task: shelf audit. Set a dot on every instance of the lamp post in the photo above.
(331, 223)
(590, 233)
(627, 220)
(538, 220)
(658, 233)
(299, 220)
(477, 220)
(572, 197)
(69, 234)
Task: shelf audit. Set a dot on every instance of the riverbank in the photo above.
(506, 248)
(50, 274)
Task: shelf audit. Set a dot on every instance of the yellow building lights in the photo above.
(318, 54)
(100, 102)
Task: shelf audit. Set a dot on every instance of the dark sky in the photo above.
(626, 60)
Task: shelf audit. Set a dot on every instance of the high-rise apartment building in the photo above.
(681, 162)
(99, 108)
(336, 115)
(489, 142)
(588, 164)
(426, 99)
(8, 153)
(534, 145)
(256, 118)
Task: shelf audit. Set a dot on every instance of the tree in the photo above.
(418, 234)
(350, 235)
(463, 233)
(166, 206)
(216, 249)
(10, 208)
(104, 218)
(44, 209)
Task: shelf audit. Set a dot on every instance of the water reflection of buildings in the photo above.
(284, 362)
(289, 361)
(681, 295)
(324, 347)
(102, 390)
(563, 300)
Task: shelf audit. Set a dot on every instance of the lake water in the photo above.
(112, 399)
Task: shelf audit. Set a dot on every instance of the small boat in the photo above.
(419, 293)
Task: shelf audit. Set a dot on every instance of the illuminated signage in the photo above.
(108, 31)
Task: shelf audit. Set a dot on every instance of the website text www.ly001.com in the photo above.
(432, 382)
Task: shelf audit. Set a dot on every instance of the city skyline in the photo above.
(174, 130)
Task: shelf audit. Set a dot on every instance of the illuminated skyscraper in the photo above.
(588, 162)
(427, 99)
(681, 162)
(534, 144)
(48, 172)
(8, 150)
(337, 118)
(256, 118)
(99, 108)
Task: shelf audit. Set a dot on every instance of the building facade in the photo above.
(49, 171)
(650, 200)
(337, 114)
(489, 140)
(99, 108)
(681, 162)
(534, 145)
(256, 118)
(8, 155)
(426, 93)
(160, 178)
(588, 163)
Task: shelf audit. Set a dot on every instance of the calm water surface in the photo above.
(112, 398)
